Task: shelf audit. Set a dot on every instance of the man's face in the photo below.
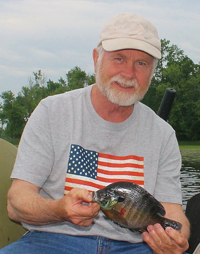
(124, 76)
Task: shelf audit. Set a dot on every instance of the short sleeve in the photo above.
(35, 152)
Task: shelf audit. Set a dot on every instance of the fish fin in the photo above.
(119, 219)
(160, 209)
(119, 225)
(173, 224)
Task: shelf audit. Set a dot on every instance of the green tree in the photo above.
(16, 121)
(90, 79)
(177, 71)
(8, 99)
(15, 111)
(56, 87)
(76, 78)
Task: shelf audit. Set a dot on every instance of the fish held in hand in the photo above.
(132, 207)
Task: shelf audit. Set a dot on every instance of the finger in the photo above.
(95, 209)
(159, 241)
(162, 234)
(87, 196)
(91, 211)
(86, 211)
(167, 243)
(87, 223)
(80, 221)
(154, 232)
(179, 238)
(149, 240)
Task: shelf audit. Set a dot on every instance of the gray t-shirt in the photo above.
(66, 144)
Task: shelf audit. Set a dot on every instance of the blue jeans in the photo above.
(51, 243)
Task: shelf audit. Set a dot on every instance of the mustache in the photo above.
(124, 82)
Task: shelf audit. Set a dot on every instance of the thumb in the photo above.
(84, 195)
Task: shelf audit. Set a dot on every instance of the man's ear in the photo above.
(95, 58)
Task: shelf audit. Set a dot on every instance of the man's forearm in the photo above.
(28, 206)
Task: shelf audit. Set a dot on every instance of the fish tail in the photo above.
(173, 224)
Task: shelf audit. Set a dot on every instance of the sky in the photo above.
(54, 36)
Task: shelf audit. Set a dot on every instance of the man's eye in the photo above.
(141, 63)
(119, 59)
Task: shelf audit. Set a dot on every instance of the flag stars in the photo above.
(82, 162)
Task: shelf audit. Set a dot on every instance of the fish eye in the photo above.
(120, 199)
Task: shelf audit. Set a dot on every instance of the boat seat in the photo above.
(193, 214)
(10, 231)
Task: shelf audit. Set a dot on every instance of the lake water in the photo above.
(190, 180)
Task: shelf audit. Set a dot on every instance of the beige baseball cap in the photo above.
(130, 31)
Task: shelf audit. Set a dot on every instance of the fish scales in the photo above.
(139, 208)
(139, 213)
(135, 213)
(131, 206)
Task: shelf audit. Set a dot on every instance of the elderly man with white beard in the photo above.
(81, 141)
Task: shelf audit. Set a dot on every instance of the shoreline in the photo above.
(190, 155)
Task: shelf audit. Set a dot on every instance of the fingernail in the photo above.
(158, 226)
(168, 229)
(90, 196)
(150, 228)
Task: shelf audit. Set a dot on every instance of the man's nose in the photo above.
(129, 71)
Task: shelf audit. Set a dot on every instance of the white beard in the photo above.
(116, 96)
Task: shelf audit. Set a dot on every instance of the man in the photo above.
(83, 140)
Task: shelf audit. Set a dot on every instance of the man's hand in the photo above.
(166, 241)
(25, 204)
(75, 211)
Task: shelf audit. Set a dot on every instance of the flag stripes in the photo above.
(91, 170)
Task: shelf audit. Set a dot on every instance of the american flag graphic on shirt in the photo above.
(92, 170)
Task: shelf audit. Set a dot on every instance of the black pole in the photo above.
(166, 103)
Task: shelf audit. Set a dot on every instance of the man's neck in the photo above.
(107, 110)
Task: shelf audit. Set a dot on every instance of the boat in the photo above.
(193, 214)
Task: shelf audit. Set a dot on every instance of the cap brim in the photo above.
(127, 43)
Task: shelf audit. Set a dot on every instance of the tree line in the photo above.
(174, 69)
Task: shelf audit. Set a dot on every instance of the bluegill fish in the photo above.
(132, 207)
